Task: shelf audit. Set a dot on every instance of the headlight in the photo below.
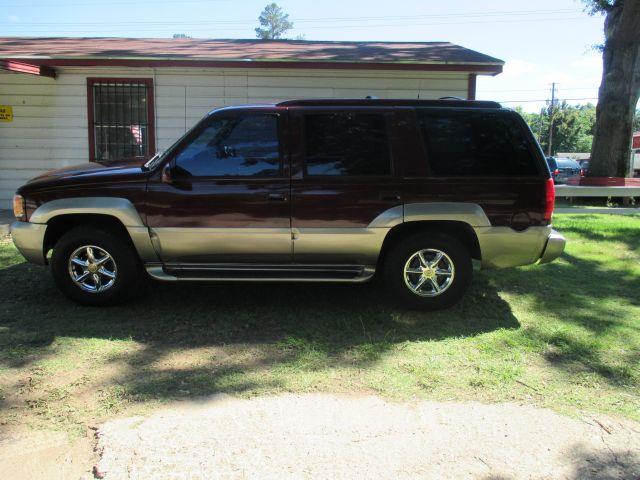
(19, 210)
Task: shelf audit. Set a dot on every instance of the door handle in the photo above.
(390, 197)
(276, 197)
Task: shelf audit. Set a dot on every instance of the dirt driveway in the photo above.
(326, 436)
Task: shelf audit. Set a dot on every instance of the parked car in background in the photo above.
(305, 190)
(563, 169)
(584, 165)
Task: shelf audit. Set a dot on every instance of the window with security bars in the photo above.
(120, 118)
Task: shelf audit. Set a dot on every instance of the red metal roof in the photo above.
(66, 50)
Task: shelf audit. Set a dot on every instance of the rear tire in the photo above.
(428, 271)
(94, 266)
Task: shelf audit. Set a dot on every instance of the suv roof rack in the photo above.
(357, 102)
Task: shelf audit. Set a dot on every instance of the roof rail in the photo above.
(357, 102)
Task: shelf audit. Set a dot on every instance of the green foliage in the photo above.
(599, 6)
(636, 121)
(573, 126)
(274, 21)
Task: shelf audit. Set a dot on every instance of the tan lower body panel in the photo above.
(242, 245)
(338, 245)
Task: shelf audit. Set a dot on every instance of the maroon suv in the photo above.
(305, 190)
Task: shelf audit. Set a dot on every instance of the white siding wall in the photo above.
(49, 128)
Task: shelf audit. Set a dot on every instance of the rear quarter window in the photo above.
(475, 144)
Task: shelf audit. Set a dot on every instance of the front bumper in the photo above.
(554, 247)
(29, 240)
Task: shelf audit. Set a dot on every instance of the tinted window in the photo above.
(233, 146)
(552, 163)
(464, 143)
(346, 144)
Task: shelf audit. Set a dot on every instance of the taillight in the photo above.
(556, 172)
(549, 199)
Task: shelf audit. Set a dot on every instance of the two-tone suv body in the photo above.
(329, 190)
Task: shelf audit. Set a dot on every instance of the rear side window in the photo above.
(475, 143)
(346, 144)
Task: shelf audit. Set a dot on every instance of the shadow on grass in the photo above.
(256, 325)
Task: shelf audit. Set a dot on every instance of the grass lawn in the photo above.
(564, 335)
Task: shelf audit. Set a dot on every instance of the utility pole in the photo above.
(553, 102)
(540, 118)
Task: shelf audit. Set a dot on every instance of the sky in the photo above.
(541, 42)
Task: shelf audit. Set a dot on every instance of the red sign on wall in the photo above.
(636, 140)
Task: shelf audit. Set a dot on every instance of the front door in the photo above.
(223, 197)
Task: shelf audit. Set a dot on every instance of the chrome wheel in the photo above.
(92, 269)
(429, 272)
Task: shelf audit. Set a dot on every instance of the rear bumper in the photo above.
(503, 247)
(29, 240)
(554, 247)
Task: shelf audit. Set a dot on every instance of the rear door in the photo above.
(343, 180)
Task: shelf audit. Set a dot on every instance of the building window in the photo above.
(121, 118)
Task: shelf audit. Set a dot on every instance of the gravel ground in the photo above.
(326, 436)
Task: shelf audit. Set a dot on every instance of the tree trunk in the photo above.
(619, 91)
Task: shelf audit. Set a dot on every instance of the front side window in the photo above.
(242, 146)
(120, 118)
(346, 144)
(475, 143)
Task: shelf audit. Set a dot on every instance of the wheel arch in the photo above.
(112, 213)
(58, 225)
(461, 230)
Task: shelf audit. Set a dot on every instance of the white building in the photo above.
(65, 101)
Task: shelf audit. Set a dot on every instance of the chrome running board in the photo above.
(259, 273)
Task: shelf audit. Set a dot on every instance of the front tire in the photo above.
(428, 271)
(94, 266)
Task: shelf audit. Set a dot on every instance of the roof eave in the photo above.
(487, 68)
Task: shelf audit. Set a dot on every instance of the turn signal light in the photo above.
(19, 210)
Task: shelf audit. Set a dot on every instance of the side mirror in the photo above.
(167, 174)
(176, 181)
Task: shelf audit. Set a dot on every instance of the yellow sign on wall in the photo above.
(6, 113)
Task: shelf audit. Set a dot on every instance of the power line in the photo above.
(546, 100)
(537, 89)
(320, 19)
(111, 26)
(124, 2)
